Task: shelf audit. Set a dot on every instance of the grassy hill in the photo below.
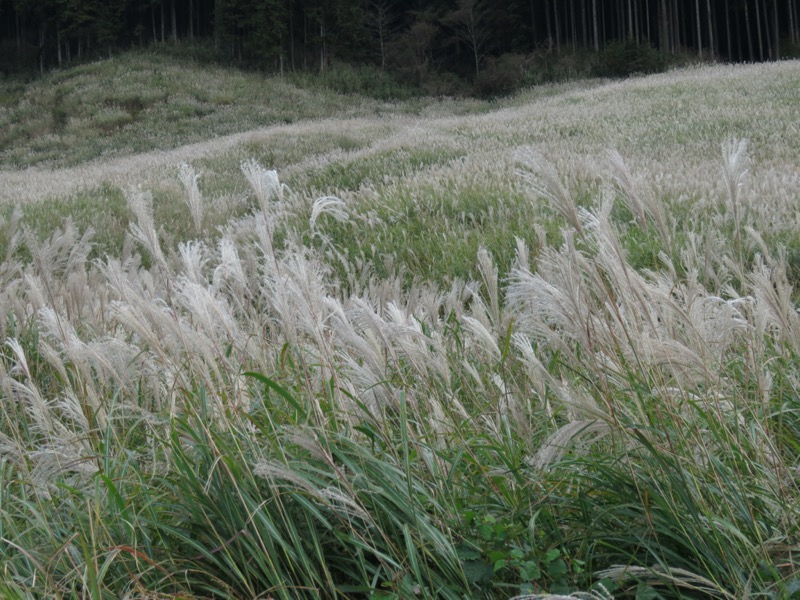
(143, 101)
(264, 340)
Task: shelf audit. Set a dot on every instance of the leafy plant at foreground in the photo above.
(279, 511)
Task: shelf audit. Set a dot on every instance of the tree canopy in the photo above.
(458, 36)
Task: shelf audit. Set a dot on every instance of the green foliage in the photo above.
(501, 555)
(330, 517)
(103, 210)
(148, 100)
(363, 80)
(625, 58)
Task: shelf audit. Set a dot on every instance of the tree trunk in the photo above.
(751, 55)
(153, 19)
(291, 35)
(594, 25)
(630, 19)
(699, 33)
(664, 27)
(322, 46)
(710, 30)
(191, 19)
(547, 22)
(217, 22)
(558, 27)
(574, 26)
(19, 36)
(728, 32)
(758, 29)
(767, 35)
(584, 28)
(174, 22)
(41, 48)
(777, 32)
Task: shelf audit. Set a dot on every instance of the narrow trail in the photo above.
(37, 183)
(566, 123)
(147, 168)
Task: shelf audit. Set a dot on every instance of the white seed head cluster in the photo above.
(203, 312)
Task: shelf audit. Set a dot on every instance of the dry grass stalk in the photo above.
(189, 178)
(545, 182)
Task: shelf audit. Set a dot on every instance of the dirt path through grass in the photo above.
(147, 168)
(654, 122)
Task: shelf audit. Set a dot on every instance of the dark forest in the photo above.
(406, 37)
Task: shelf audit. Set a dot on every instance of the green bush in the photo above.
(625, 58)
(501, 75)
(363, 80)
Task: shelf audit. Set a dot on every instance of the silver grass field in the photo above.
(547, 346)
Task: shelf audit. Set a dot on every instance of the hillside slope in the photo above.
(658, 121)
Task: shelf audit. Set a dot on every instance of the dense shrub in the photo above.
(364, 80)
(624, 58)
(501, 75)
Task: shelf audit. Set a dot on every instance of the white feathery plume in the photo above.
(331, 497)
(734, 171)
(675, 576)
(28, 394)
(508, 405)
(59, 456)
(734, 168)
(476, 377)
(397, 337)
(265, 184)
(575, 434)
(371, 386)
(19, 357)
(545, 182)
(537, 373)
(625, 183)
(144, 230)
(90, 364)
(485, 342)
(194, 259)
(424, 353)
(73, 410)
(488, 271)
(598, 593)
(264, 229)
(641, 203)
(359, 330)
(230, 270)
(774, 304)
(522, 259)
(13, 236)
(206, 312)
(34, 291)
(330, 205)
(194, 199)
